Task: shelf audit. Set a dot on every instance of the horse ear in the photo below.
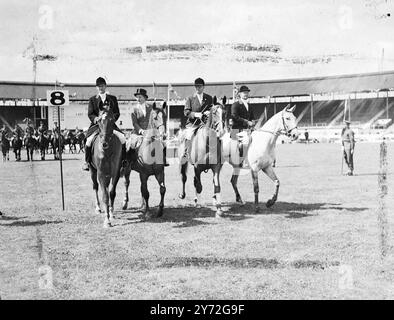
(215, 100)
(292, 108)
(287, 107)
(164, 105)
(224, 100)
(154, 105)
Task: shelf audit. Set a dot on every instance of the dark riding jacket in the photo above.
(240, 116)
(141, 122)
(193, 105)
(96, 105)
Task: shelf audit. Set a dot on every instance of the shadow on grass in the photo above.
(7, 218)
(30, 223)
(237, 263)
(188, 216)
(291, 210)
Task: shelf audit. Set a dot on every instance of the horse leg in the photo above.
(255, 178)
(198, 187)
(105, 199)
(93, 175)
(126, 184)
(269, 171)
(217, 196)
(27, 152)
(182, 195)
(112, 195)
(234, 182)
(145, 194)
(160, 179)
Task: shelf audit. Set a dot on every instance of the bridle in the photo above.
(102, 134)
(286, 131)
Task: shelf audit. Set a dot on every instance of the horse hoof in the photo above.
(182, 195)
(240, 201)
(270, 203)
(124, 206)
(220, 214)
(107, 224)
(160, 212)
(98, 211)
(256, 209)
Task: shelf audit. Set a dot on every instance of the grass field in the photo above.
(320, 240)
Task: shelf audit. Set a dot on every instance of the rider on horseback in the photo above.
(242, 120)
(102, 101)
(29, 131)
(42, 129)
(18, 132)
(140, 117)
(196, 110)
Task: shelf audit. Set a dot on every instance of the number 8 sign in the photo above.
(58, 98)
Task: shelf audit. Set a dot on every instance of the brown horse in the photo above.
(5, 145)
(205, 154)
(147, 159)
(105, 165)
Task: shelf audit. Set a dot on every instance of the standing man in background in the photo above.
(306, 133)
(348, 143)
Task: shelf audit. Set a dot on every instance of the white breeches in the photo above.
(120, 136)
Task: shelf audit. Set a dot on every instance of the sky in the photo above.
(87, 38)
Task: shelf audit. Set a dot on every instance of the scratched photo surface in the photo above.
(298, 102)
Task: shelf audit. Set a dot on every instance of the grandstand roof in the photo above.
(286, 87)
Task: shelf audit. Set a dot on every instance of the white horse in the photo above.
(261, 152)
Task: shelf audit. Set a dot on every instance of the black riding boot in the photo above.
(166, 164)
(124, 156)
(88, 158)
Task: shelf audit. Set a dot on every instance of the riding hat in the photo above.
(199, 82)
(244, 89)
(100, 81)
(141, 92)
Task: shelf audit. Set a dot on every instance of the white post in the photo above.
(168, 112)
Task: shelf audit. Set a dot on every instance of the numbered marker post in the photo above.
(59, 98)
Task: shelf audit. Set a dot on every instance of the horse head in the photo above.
(216, 120)
(157, 120)
(106, 125)
(289, 122)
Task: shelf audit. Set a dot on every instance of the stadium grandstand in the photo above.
(322, 102)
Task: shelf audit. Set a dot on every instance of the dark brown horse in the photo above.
(42, 144)
(105, 165)
(147, 160)
(205, 154)
(30, 144)
(5, 145)
(17, 143)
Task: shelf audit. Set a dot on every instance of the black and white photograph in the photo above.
(213, 152)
